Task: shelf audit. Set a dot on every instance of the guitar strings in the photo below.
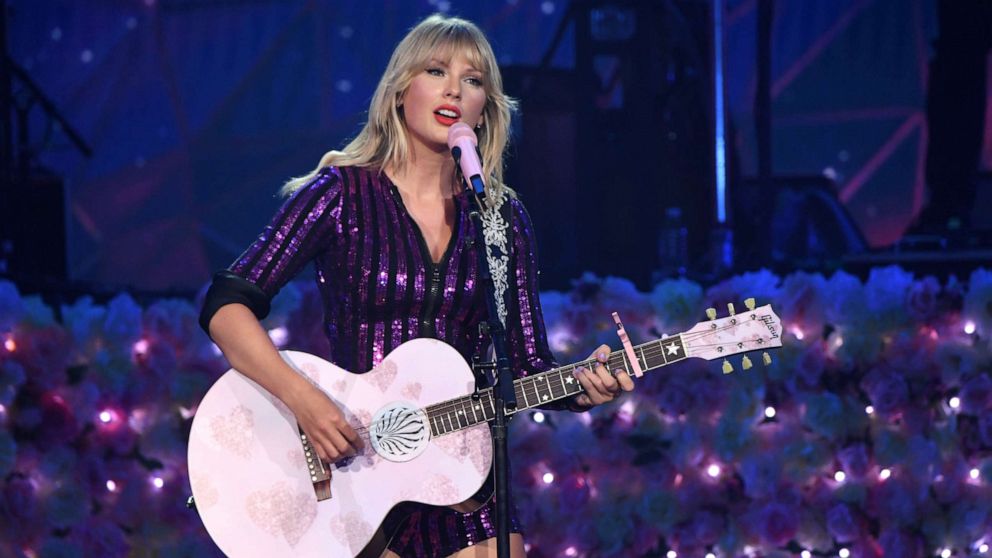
(616, 359)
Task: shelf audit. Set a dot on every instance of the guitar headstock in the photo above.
(756, 329)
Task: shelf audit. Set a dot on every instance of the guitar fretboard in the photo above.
(547, 387)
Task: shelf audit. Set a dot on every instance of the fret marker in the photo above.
(569, 380)
(673, 349)
(545, 398)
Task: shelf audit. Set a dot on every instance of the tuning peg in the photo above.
(749, 302)
(746, 363)
(766, 358)
(711, 313)
(727, 367)
(730, 308)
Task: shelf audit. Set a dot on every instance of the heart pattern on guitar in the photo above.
(413, 390)
(280, 511)
(382, 376)
(472, 443)
(351, 530)
(234, 431)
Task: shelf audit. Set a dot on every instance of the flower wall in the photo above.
(869, 434)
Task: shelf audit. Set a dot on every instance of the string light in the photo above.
(983, 549)
(279, 336)
(954, 402)
(710, 555)
(840, 476)
(107, 416)
(140, 348)
(798, 333)
(548, 478)
(111, 486)
(945, 553)
(806, 554)
(844, 553)
(770, 412)
(10, 344)
(884, 474)
(974, 474)
(158, 482)
(538, 417)
(672, 554)
(969, 327)
(713, 470)
(571, 551)
(869, 410)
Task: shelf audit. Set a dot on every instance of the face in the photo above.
(443, 93)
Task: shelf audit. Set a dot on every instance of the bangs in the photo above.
(445, 42)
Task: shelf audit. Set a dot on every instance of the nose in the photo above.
(453, 88)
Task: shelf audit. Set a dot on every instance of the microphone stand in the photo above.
(504, 397)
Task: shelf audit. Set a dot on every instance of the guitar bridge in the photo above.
(320, 474)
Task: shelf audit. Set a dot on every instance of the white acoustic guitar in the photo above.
(261, 491)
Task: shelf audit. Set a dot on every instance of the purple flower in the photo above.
(887, 391)
(854, 460)
(777, 523)
(976, 394)
(921, 299)
(122, 325)
(99, 537)
(842, 523)
(11, 307)
(825, 414)
(896, 542)
(760, 471)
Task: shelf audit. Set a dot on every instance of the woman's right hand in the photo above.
(324, 425)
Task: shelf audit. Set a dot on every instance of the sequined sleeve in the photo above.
(528, 343)
(300, 229)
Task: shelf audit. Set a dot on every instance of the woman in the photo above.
(385, 223)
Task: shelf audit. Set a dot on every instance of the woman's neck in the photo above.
(426, 176)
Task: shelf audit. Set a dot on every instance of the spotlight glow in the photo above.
(946, 553)
(713, 470)
(983, 549)
(969, 327)
(884, 474)
(158, 482)
(672, 554)
(840, 476)
(140, 348)
(538, 417)
(974, 474)
(570, 551)
(710, 555)
(844, 553)
(111, 486)
(106, 416)
(9, 344)
(954, 402)
(806, 554)
(869, 410)
(770, 412)
(548, 478)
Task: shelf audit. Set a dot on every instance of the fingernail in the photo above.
(601, 355)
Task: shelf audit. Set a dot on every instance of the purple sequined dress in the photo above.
(380, 288)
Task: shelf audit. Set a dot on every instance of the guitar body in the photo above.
(249, 474)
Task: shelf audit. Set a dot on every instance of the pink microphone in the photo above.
(462, 142)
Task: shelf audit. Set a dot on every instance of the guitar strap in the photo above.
(497, 231)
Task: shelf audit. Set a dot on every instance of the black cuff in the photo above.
(228, 288)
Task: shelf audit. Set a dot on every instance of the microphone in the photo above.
(463, 145)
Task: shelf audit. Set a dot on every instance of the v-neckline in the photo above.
(424, 248)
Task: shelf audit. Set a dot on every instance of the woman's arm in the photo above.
(249, 350)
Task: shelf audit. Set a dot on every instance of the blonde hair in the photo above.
(383, 140)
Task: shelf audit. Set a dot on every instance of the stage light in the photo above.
(770, 412)
(840, 476)
(111, 486)
(954, 403)
(945, 553)
(884, 474)
(983, 549)
(974, 474)
(538, 417)
(158, 482)
(713, 470)
(548, 478)
(869, 410)
(969, 327)
(844, 553)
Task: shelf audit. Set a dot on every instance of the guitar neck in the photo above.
(540, 389)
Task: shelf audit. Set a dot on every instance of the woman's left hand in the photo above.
(601, 386)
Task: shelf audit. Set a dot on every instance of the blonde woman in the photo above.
(385, 223)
